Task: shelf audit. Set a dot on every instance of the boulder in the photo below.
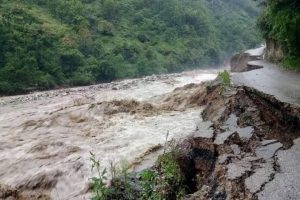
(240, 62)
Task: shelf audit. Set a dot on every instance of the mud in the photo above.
(244, 165)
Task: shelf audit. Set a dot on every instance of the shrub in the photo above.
(99, 188)
(225, 78)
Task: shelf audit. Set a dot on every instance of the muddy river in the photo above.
(47, 137)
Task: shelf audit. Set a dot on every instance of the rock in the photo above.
(274, 51)
(232, 127)
(204, 130)
(262, 175)
(238, 169)
(236, 149)
(239, 62)
(231, 122)
(221, 138)
(286, 184)
(245, 133)
(267, 152)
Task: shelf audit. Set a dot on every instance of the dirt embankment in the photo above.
(240, 62)
(250, 127)
(274, 52)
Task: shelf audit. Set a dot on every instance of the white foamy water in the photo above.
(46, 137)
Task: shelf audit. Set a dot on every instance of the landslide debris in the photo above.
(250, 127)
(240, 62)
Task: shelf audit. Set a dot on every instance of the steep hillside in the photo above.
(46, 44)
(280, 26)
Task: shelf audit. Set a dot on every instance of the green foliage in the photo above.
(292, 63)
(163, 181)
(280, 21)
(98, 185)
(50, 43)
(149, 179)
(171, 179)
(225, 78)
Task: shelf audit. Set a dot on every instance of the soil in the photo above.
(244, 162)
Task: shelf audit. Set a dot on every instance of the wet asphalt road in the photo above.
(271, 79)
(284, 85)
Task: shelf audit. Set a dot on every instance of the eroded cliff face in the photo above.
(241, 62)
(250, 127)
(274, 52)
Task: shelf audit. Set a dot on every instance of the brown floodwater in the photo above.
(47, 137)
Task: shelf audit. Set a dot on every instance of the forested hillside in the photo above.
(47, 44)
(280, 25)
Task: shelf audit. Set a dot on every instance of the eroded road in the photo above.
(271, 79)
(285, 86)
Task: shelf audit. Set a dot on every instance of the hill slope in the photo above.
(51, 43)
(280, 26)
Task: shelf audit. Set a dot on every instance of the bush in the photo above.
(163, 181)
(280, 22)
(98, 185)
(224, 77)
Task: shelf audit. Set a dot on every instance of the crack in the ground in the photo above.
(269, 119)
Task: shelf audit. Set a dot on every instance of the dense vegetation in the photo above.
(51, 43)
(280, 22)
(166, 180)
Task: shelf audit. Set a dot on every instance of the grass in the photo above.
(163, 181)
(98, 185)
(291, 63)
